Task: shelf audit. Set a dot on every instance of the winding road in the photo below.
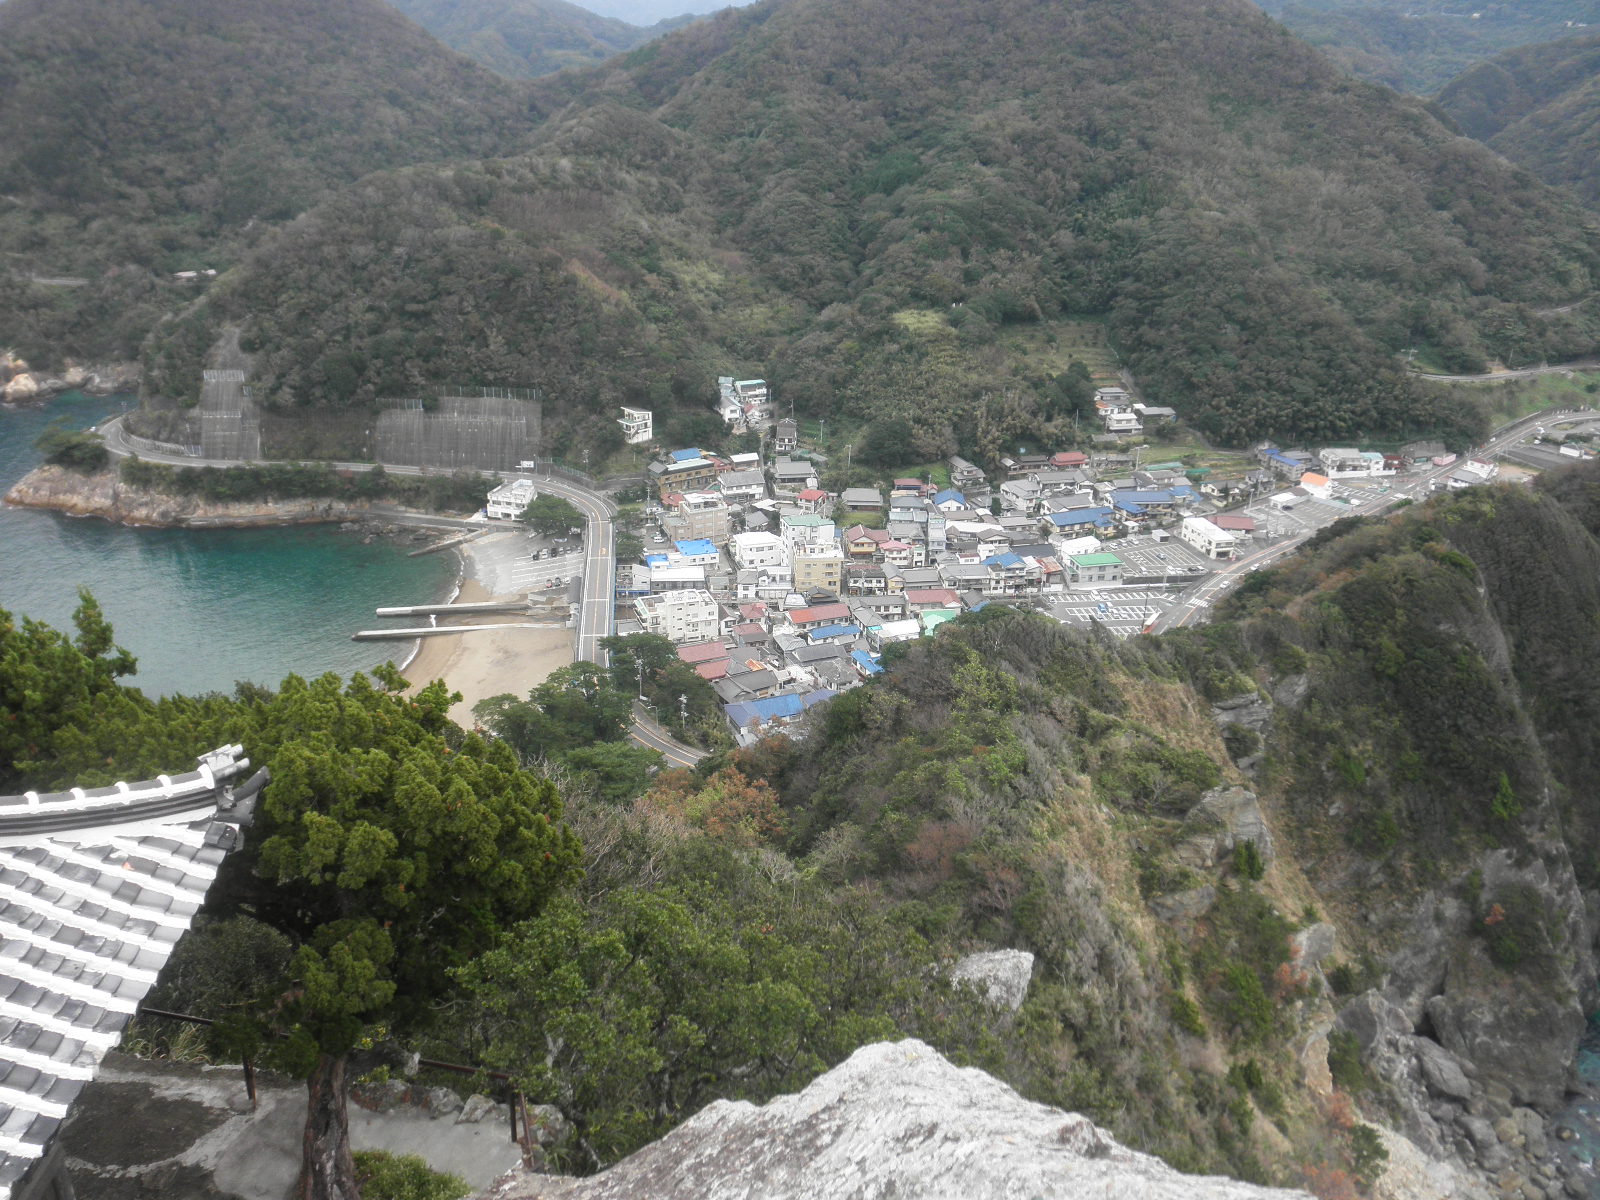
(1582, 364)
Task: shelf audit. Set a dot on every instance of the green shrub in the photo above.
(77, 450)
(1344, 1061)
(1367, 1154)
(385, 1176)
(1186, 1015)
(1241, 741)
(1247, 861)
(1245, 1001)
(1353, 978)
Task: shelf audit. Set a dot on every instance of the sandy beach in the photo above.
(480, 665)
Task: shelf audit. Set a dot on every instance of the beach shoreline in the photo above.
(481, 665)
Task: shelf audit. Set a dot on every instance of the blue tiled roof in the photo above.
(1081, 516)
(948, 494)
(1136, 496)
(1003, 560)
(770, 709)
(1129, 507)
(832, 631)
(866, 662)
(811, 699)
(685, 455)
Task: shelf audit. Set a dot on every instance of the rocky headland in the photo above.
(21, 385)
(107, 497)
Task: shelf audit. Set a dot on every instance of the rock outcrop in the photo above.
(895, 1119)
(1224, 818)
(1001, 975)
(22, 385)
(104, 495)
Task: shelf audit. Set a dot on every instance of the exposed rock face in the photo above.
(895, 1120)
(103, 495)
(20, 384)
(1224, 818)
(20, 388)
(1002, 975)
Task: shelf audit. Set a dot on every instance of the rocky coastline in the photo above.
(22, 386)
(105, 496)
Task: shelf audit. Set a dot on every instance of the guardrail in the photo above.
(151, 446)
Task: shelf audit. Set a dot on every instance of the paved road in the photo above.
(1583, 364)
(1406, 487)
(649, 733)
(596, 609)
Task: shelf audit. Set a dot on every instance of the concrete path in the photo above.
(183, 1132)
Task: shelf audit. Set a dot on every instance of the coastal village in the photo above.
(781, 593)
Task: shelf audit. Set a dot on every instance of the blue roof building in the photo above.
(773, 708)
(866, 663)
(1099, 518)
(685, 455)
(697, 546)
(828, 633)
(947, 495)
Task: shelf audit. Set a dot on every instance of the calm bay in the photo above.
(202, 609)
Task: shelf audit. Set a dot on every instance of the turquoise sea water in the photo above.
(202, 609)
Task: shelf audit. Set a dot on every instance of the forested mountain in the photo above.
(144, 137)
(891, 209)
(1540, 107)
(1419, 47)
(522, 38)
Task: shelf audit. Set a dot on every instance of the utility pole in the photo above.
(683, 710)
(641, 681)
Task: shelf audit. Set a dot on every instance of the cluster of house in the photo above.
(1316, 474)
(780, 593)
(1123, 416)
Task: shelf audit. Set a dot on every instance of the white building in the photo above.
(1123, 422)
(1207, 538)
(751, 550)
(677, 577)
(638, 425)
(507, 502)
(744, 403)
(1339, 463)
(807, 529)
(742, 487)
(889, 632)
(687, 616)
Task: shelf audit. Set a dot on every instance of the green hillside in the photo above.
(1540, 107)
(145, 137)
(1420, 47)
(865, 200)
(524, 38)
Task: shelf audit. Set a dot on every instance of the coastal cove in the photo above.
(203, 609)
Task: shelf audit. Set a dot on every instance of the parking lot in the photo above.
(513, 561)
(1146, 558)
